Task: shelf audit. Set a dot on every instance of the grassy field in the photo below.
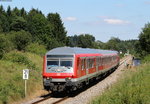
(11, 82)
(133, 88)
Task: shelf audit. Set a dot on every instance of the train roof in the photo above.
(77, 50)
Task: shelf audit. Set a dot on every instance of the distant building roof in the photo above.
(77, 50)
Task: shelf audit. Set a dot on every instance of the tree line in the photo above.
(33, 31)
(19, 28)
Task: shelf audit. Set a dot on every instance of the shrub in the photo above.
(19, 57)
(146, 59)
(20, 39)
(36, 48)
(5, 45)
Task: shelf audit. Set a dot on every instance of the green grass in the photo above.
(11, 82)
(133, 88)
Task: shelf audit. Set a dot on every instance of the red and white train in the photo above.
(72, 67)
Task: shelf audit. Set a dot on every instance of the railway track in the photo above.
(54, 100)
(42, 99)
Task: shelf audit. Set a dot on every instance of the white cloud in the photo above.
(116, 21)
(71, 19)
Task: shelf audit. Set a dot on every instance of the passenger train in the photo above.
(73, 67)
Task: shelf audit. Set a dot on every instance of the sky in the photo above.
(103, 19)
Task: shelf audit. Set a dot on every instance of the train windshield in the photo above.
(53, 63)
(59, 62)
(66, 63)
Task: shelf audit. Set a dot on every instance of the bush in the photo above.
(36, 48)
(20, 39)
(19, 57)
(146, 59)
(5, 45)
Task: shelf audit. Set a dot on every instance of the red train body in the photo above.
(71, 68)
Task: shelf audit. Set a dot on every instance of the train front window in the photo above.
(52, 63)
(66, 63)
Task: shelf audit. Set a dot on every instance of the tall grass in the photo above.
(133, 88)
(11, 82)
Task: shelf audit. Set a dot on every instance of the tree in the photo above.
(20, 39)
(113, 43)
(58, 30)
(9, 11)
(36, 48)
(86, 40)
(1, 29)
(16, 12)
(18, 23)
(2, 11)
(23, 13)
(53, 43)
(144, 39)
(3, 20)
(72, 41)
(38, 25)
(99, 45)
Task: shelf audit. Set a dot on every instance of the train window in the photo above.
(97, 61)
(52, 63)
(108, 60)
(114, 58)
(87, 63)
(66, 63)
(82, 64)
(104, 60)
(91, 63)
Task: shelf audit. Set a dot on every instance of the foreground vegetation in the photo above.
(133, 88)
(11, 82)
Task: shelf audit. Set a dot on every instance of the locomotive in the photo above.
(70, 68)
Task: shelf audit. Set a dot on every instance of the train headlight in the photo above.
(47, 78)
(44, 79)
(68, 79)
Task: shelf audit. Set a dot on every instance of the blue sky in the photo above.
(101, 18)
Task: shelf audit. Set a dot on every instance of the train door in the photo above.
(83, 67)
(79, 67)
(87, 66)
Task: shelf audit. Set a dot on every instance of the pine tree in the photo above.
(58, 31)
